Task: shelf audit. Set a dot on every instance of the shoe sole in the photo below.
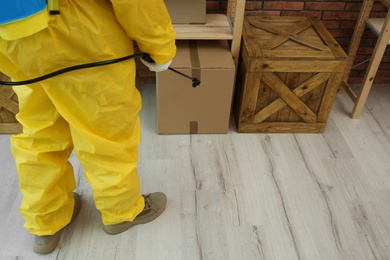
(122, 227)
(46, 249)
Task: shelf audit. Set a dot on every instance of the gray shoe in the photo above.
(155, 204)
(46, 244)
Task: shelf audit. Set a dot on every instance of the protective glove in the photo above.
(152, 65)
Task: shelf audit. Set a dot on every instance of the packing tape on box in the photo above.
(193, 127)
(195, 63)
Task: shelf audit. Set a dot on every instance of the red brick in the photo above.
(384, 66)
(378, 6)
(377, 14)
(282, 5)
(365, 50)
(253, 5)
(369, 34)
(145, 72)
(353, 6)
(354, 73)
(341, 33)
(262, 13)
(315, 14)
(359, 58)
(386, 57)
(324, 6)
(367, 42)
(382, 79)
(361, 66)
(348, 24)
(344, 42)
(354, 80)
(327, 15)
(145, 80)
(332, 24)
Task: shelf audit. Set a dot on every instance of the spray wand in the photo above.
(195, 82)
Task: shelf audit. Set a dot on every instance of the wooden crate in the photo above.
(288, 77)
(8, 109)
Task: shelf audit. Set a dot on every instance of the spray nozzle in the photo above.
(195, 82)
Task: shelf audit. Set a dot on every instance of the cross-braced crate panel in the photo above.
(8, 109)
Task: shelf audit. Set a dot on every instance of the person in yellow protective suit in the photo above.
(94, 112)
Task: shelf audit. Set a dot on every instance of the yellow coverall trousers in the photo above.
(91, 111)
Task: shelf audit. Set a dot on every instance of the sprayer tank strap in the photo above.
(54, 7)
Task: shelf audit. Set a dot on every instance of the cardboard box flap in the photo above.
(202, 54)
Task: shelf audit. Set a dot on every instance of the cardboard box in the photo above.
(182, 109)
(187, 11)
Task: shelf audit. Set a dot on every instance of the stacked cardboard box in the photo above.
(182, 108)
(187, 11)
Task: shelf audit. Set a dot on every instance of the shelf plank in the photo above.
(376, 24)
(217, 27)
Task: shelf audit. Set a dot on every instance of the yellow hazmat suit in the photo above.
(93, 111)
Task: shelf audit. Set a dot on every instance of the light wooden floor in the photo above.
(240, 196)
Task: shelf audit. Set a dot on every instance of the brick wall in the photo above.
(339, 16)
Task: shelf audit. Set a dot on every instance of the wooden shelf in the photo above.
(376, 24)
(217, 27)
(381, 28)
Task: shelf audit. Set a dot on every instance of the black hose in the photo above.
(72, 68)
(145, 56)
